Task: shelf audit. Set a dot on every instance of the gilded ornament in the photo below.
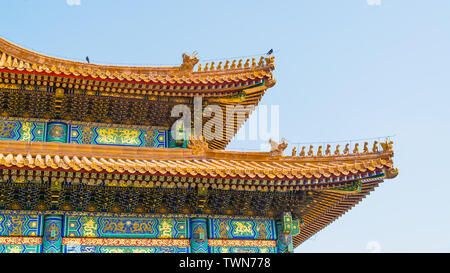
(387, 146)
(356, 149)
(7, 129)
(188, 64)
(270, 61)
(346, 149)
(165, 228)
(277, 149)
(328, 150)
(319, 151)
(337, 151)
(242, 228)
(391, 173)
(118, 136)
(366, 147)
(375, 147)
(247, 63)
(239, 66)
(198, 145)
(56, 131)
(311, 151)
(90, 227)
(26, 131)
(261, 61)
(303, 152)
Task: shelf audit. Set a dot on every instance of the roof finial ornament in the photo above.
(375, 147)
(387, 146)
(319, 151)
(303, 152)
(337, 151)
(294, 151)
(328, 150)
(261, 61)
(247, 63)
(311, 152)
(366, 147)
(239, 66)
(270, 61)
(346, 149)
(277, 149)
(391, 173)
(188, 63)
(198, 145)
(356, 150)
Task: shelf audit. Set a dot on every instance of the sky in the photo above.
(347, 69)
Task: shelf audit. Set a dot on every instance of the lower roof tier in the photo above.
(40, 176)
(291, 171)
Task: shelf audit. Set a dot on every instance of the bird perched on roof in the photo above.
(87, 60)
(269, 52)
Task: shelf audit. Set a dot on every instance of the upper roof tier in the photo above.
(71, 90)
(210, 79)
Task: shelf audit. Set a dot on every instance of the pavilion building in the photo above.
(89, 163)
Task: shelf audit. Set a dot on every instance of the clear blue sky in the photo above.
(344, 69)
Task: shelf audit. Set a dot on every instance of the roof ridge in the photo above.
(16, 57)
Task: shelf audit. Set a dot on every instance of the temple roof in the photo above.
(213, 80)
(300, 171)
(333, 183)
(136, 95)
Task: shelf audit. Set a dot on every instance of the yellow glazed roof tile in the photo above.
(209, 164)
(13, 57)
